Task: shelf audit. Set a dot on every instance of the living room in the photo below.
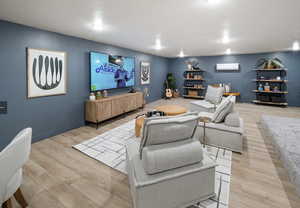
(149, 103)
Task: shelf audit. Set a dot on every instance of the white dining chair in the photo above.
(12, 159)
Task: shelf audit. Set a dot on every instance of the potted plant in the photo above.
(171, 84)
(193, 64)
(271, 63)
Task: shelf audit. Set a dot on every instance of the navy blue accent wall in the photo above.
(49, 116)
(242, 80)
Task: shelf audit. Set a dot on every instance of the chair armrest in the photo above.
(14, 156)
(223, 127)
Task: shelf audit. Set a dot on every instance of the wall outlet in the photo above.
(3, 107)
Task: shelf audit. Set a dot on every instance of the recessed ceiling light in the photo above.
(296, 46)
(225, 39)
(98, 25)
(228, 51)
(213, 1)
(158, 44)
(181, 54)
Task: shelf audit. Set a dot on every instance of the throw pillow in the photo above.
(223, 110)
(214, 94)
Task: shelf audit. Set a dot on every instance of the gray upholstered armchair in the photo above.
(225, 129)
(169, 168)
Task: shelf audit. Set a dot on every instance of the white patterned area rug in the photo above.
(109, 148)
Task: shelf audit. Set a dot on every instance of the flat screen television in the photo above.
(109, 72)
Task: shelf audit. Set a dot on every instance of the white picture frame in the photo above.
(145, 72)
(46, 73)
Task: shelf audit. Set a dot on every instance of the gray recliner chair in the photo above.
(169, 168)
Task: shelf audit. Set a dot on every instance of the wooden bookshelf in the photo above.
(278, 92)
(269, 103)
(195, 88)
(272, 97)
(195, 79)
(268, 80)
(195, 70)
(282, 69)
(193, 84)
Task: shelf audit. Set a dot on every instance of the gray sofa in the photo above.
(169, 168)
(226, 129)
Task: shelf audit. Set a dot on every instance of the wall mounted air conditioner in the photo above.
(228, 67)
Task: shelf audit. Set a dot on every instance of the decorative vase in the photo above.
(98, 95)
(92, 96)
(105, 94)
(267, 87)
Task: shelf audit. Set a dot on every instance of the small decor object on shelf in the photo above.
(271, 63)
(278, 78)
(260, 87)
(105, 93)
(145, 72)
(227, 87)
(276, 89)
(46, 73)
(267, 87)
(98, 95)
(92, 96)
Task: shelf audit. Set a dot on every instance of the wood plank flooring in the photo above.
(59, 176)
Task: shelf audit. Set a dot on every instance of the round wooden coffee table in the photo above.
(171, 110)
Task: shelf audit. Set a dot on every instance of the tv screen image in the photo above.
(109, 72)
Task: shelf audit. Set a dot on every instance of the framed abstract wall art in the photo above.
(46, 73)
(145, 72)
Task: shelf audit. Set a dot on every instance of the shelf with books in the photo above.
(274, 92)
(279, 69)
(269, 103)
(193, 86)
(268, 80)
(271, 86)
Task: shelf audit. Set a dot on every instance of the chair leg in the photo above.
(20, 198)
(7, 204)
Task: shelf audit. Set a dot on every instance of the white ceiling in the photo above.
(195, 26)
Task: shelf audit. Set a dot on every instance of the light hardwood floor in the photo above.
(59, 176)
